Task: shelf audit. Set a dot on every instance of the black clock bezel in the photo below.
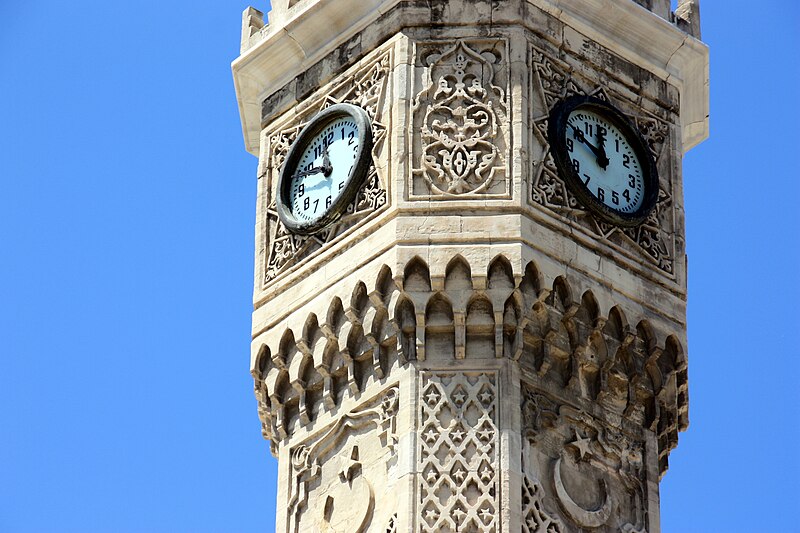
(556, 132)
(353, 182)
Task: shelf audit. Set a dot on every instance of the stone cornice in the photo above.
(310, 30)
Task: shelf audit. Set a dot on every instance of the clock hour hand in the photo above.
(599, 154)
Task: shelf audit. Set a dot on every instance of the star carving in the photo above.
(459, 475)
(432, 397)
(583, 447)
(432, 475)
(457, 435)
(431, 435)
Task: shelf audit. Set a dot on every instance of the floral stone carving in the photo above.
(365, 88)
(461, 117)
(652, 240)
(459, 481)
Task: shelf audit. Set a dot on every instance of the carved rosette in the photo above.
(461, 117)
(652, 241)
(334, 475)
(365, 88)
(580, 471)
(459, 480)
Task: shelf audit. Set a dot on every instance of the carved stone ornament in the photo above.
(334, 476)
(652, 241)
(557, 333)
(588, 472)
(460, 119)
(365, 88)
(459, 482)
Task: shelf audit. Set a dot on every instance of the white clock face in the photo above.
(604, 160)
(323, 169)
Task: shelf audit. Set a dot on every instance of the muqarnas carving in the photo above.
(365, 88)
(335, 475)
(460, 133)
(653, 240)
(580, 472)
(458, 485)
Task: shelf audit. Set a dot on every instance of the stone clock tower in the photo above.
(469, 333)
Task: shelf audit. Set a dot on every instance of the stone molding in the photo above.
(636, 374)
(306, 33)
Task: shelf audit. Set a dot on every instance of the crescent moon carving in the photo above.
(583, 517)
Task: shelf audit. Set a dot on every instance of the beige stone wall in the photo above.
(468, 348)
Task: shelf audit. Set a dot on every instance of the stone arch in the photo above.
(458, 275)
(531, 283)
(500, 273)
(616, 326)
(338, 371)
(480, 328)
(675, 352)
(286, 348)
(416, 276)
(384, 284)
(439, 328)
(335, 317)
(560, 298)
(646, 337)
(358, 301)
(262, 364)
(589, 311)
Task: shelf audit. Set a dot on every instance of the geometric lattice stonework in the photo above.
(459, 482)
(534, 518)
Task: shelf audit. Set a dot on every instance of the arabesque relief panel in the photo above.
(339, 479)
(460, 137)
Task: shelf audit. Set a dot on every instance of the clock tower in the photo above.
(470, 276)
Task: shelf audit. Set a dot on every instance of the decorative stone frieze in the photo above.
(568, 343)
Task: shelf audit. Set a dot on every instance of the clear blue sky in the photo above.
(126, 232)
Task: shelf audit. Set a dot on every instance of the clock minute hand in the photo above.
(602, 159)
(578, 134)
(312, 170)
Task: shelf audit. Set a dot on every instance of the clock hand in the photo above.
(602, 159)
(312, 170)
(327, 168)
(601, 155)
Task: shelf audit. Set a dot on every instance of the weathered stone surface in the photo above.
(469, 348)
